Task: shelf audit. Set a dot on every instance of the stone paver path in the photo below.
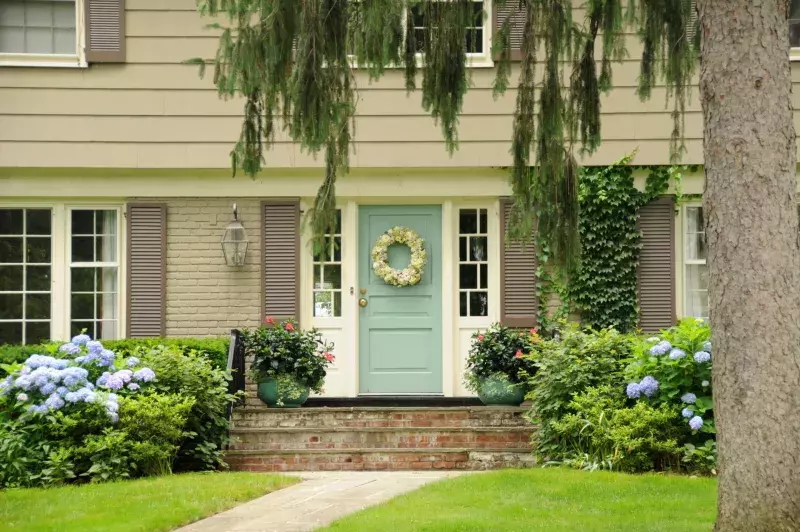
(320, 499)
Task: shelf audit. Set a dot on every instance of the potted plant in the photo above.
(499, 364)
(288, 362)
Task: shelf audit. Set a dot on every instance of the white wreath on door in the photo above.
(408, 276)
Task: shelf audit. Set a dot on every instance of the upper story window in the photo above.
(794, 23)
(694, 262)
(475, 41)
(40, 31)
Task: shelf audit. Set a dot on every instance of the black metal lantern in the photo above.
(234, 242)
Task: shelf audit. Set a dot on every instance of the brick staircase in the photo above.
(379, 438)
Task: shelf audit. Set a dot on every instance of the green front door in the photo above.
(400, 328)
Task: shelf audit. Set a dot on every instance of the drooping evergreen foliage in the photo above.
(294, 62)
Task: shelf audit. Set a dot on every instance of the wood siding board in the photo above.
(656, 272)
(281, 259)
(518, 301)
(105, 31)
(146, 269)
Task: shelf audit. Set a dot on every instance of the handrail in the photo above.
(236, 367)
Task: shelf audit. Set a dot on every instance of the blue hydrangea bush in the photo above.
(675, 369)
(81, 412)
(86, 374)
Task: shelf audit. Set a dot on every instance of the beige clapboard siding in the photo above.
(153, 102)
(155, 112)
(368, 129)
(375, 155)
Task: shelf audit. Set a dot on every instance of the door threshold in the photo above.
(396, 400)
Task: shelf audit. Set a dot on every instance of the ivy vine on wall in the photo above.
(604, 286)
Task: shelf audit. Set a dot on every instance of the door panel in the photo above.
(400, 329)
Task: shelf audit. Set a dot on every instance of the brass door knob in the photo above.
(362, 302)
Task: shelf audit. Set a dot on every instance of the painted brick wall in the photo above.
(204, 296)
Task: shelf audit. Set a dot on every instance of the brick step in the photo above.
(345, 438)
(389, 417)
(380, 459)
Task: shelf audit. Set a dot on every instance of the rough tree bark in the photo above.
(754, 261)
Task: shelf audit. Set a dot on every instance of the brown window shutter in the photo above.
(281, 259)
(657, 265)
(147, 269)
(105, 31)
(518, 302)
(692, 24)
(499, 15)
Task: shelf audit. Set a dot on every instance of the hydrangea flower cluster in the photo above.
(689, 398)
(647, 387)
(661, 348)
(677, 354)
(50, 383)
(702, 357)
(687, 413)
(696, 423)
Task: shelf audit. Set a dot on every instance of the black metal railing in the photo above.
(236, 366)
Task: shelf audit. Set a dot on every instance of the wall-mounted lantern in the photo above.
(234, 242)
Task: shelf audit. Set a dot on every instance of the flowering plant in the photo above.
(408, 276)
(87, 374)
(675, 369)
(284, 352)
(501, 351)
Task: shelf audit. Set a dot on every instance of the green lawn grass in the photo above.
(146, 505)
(546, 500)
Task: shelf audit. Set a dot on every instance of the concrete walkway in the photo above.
(319, 500)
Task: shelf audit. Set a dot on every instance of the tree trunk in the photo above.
(754, 261)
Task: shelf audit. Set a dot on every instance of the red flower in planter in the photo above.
(270, 320)
(533, 331)
(289, 327)
(519, 353)
(329, 357)
(480, 338)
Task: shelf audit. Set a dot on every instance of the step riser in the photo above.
(378, 419)
(380, 440)
(473, 461)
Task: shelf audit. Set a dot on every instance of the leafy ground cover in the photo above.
(552, 500)
(146, 505)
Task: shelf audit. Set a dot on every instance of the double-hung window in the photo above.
(59, 272)
(695, 269)
(40, 31)
(25, 275)
(94, 272)
(477, 43)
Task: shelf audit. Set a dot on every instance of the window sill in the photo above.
(42, 61)
(794, 54)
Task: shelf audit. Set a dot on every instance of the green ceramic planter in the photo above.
(496, 391)
(268, 392)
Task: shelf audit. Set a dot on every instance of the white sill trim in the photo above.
(42, 61)
(794, 54)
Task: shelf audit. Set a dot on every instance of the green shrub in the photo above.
(501, 351)
(600, 432)
(189, 374)
(679, 361)
(85, 412)
(155, 424)
(569, 365)
(215, 349)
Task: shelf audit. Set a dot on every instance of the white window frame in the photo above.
(77, 60)
(474, 60)
(685, 261)
(118, 332)
(324, 264)
(485, 233)
(60, 259)
(24, 291)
